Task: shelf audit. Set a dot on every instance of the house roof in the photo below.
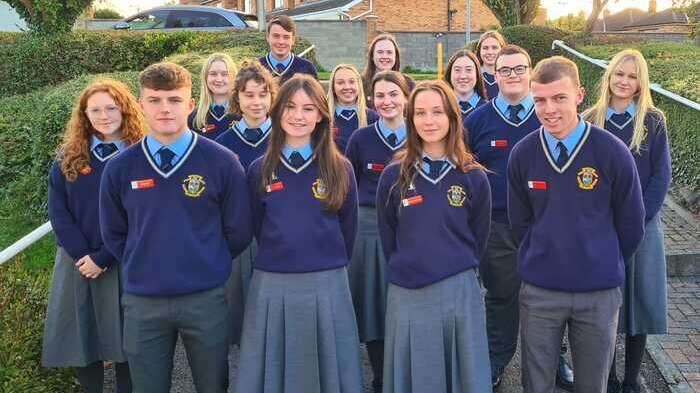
(313, 7)
(631, 18)
(665, 17)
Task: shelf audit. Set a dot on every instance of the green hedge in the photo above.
(683, 126)
(537, 40)
(32, 61)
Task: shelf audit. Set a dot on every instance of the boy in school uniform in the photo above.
(575, 201)
(280, 61)
(174, 210)
(492, 131)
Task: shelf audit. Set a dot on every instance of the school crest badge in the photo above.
(456, 196)
(318, 189)
(587, 178)
(193, 186)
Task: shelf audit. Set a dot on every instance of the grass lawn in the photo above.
(675, 66)
(326, 75)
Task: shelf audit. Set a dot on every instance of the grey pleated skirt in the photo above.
(84, 319)
(237, 288)
(366, 275)
(644, 306)
(299, 335)
(436, 338)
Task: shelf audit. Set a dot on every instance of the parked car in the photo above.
(178, 17)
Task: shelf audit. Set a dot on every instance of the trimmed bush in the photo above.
(107, 13)
(682, 123)
(536, 40)
(32, 61)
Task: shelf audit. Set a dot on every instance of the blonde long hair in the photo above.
(74, 151)
(361, 101)
(642, 99)
(205, 100)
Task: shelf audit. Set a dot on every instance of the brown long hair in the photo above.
(371, 68)
(479, 86)
(332, 165)
(74, 151)
(489, 34)
(457, 152)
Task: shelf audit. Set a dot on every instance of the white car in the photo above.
(189, 17)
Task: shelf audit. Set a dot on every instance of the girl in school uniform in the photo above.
(347, 104)
(464, 77)
(211, 118)
(383, 55)
(434, 206)
(369, 150)
(626, 109)
(299, 330)
(253, 93)
(84, 320)
(487, 48)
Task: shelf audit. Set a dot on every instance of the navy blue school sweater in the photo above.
(343, 128)
(653, 160)
(369, 152)
(490, 85)
(175, 233)
(297, 65)
(438, 229)
(579, 222)
(294, 230)
(247, 151)
(215, 125)
(491, 137)
(73, 212)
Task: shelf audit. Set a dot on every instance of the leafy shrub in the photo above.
(106, 13)
(536, 40)
(31, 61)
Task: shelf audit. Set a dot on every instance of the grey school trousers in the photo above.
(499, 273)
(151, 328)
(592, 321)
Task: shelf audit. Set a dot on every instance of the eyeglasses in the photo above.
(109, 110)
(506, 71)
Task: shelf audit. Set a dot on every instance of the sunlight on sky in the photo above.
(555, 8)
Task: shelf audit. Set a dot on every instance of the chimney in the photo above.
(652, 7)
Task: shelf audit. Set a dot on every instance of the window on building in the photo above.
(279, 3)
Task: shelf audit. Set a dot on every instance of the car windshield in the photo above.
(151, 20)
(250, 20)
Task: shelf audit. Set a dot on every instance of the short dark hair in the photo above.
(511, 49)
(165, 76)
(284, 22)
(554, 68)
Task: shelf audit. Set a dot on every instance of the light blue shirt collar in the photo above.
(631, 109)
(426, 168)
(339, 108)
(274, 61)
(266, 126)
(386, 131)
(224, 104)
(179, 147)
(94, 141)
(526, 102)
(569, 142)
(473, 100)
(306, 151)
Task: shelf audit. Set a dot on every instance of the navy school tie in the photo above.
(435, 167)
(166, 159)
(393, 139)
(620, 119)
(513, 111)
(280, 68)
(563, 155)
(252, 135)
(347, 113)
(218, 110)
(465, 106)
(296, 160)
(104, 150)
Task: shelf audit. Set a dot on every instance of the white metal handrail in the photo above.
(307, 50)
(603, 64)
(21, 244)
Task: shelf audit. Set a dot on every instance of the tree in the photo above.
(598, 6)
(49, 16)
(569, 22)
(513, 12)
(107, 13)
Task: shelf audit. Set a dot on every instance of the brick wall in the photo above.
(419, 49)
(330, 50)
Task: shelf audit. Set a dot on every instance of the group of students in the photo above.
(298, 223)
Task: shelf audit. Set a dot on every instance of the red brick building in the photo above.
(392, 15)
